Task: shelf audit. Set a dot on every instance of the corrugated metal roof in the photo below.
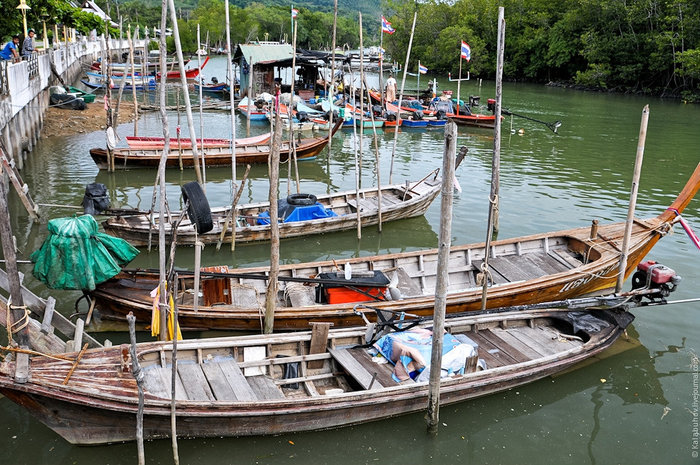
(265, 53)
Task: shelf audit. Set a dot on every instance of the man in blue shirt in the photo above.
(10, 52)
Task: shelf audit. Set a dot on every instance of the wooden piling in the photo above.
(138, 376)
(633, 198)
(496, 162)
(447, 194)
(232, 84)
(403, 83)
(273, 170)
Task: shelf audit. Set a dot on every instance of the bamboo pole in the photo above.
(492, 225)
(403, 83)
(8, 249)
(447, 194)
(355, 149)
(633, 198)
(183, 82)
(173, 378)
(201, 116)
(290, 109)
(376, 161)
(330, 87)
(133, 82)
(250, 93)
(138, 376)
(362, 104)
(232, 84)
(496, 168)
(273, 170)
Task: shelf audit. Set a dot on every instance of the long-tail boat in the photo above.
(157, 143)
(215, 156)
(535, 268)
(329, 212)
(303, 381)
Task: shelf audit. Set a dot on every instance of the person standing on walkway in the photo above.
(10, 52)
(391, 89)
(28, 45)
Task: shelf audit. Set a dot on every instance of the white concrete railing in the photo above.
(20, 89)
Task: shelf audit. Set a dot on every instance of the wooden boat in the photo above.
(475, 120)
(539, 267)
(189, 73)
(293, 382)
(219, 88)
(97, 81)
(137, 142)
(87, 97)
(398, 202)
(216, 156)
(246, 109)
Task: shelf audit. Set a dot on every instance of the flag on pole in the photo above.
(422, 69)
(295, 12)
(466, 51)
(386, 26)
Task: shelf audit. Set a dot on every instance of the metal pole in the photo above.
(459, 81)
(448, 172)
(633, 198)
(403, 82)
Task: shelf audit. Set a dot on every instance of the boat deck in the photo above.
(263, 375)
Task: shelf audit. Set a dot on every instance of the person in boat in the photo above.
(28, 45)
(10, 52)
(391, 88)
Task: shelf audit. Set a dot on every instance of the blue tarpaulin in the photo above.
(306, 213)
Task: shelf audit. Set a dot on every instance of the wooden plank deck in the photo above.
(265, 388)
(355, 369)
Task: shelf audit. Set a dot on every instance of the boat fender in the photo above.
(198, 210)
(301, 199)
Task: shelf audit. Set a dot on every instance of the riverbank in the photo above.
(61, 121)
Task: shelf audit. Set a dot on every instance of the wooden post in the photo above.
(8, 249)
(163, 304)
(250, 93)
(183, 82)
(376, 161)
(403, 83)
(173, 379)
(362, 103)
(496, 163)
(273, 170)
(492, 225)
(633, 198)
(448, 176)
(292, 146)
(232, 83)
(138, 376)
(201, 118)
(133, 81)
(122, 84)
(330, 87)
(355, 149)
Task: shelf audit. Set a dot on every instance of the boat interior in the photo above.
(412, 275)
(316, 363)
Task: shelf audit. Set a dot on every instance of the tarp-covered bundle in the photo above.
(77, 256)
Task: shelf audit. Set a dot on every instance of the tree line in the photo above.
(636, 46)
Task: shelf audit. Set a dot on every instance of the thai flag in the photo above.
(422, 69)
(386, 26)
(295, 12)
(466, 51)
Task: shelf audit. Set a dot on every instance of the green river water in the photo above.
(637, 405)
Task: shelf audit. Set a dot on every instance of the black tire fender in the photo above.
(198, 210)
(301, 199)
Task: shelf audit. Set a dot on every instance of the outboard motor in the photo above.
(653, 275)
(491, 105)
(390, 116)
(440, 114)
(417, 115)
(474, 100)
(377, 110)
(302, 116)
(96, 199)
(214, 80)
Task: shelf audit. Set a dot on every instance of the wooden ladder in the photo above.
(20, 186)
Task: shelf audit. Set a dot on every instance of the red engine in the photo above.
(653, 275)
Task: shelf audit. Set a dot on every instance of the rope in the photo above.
(24, 320)
(484, 274)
